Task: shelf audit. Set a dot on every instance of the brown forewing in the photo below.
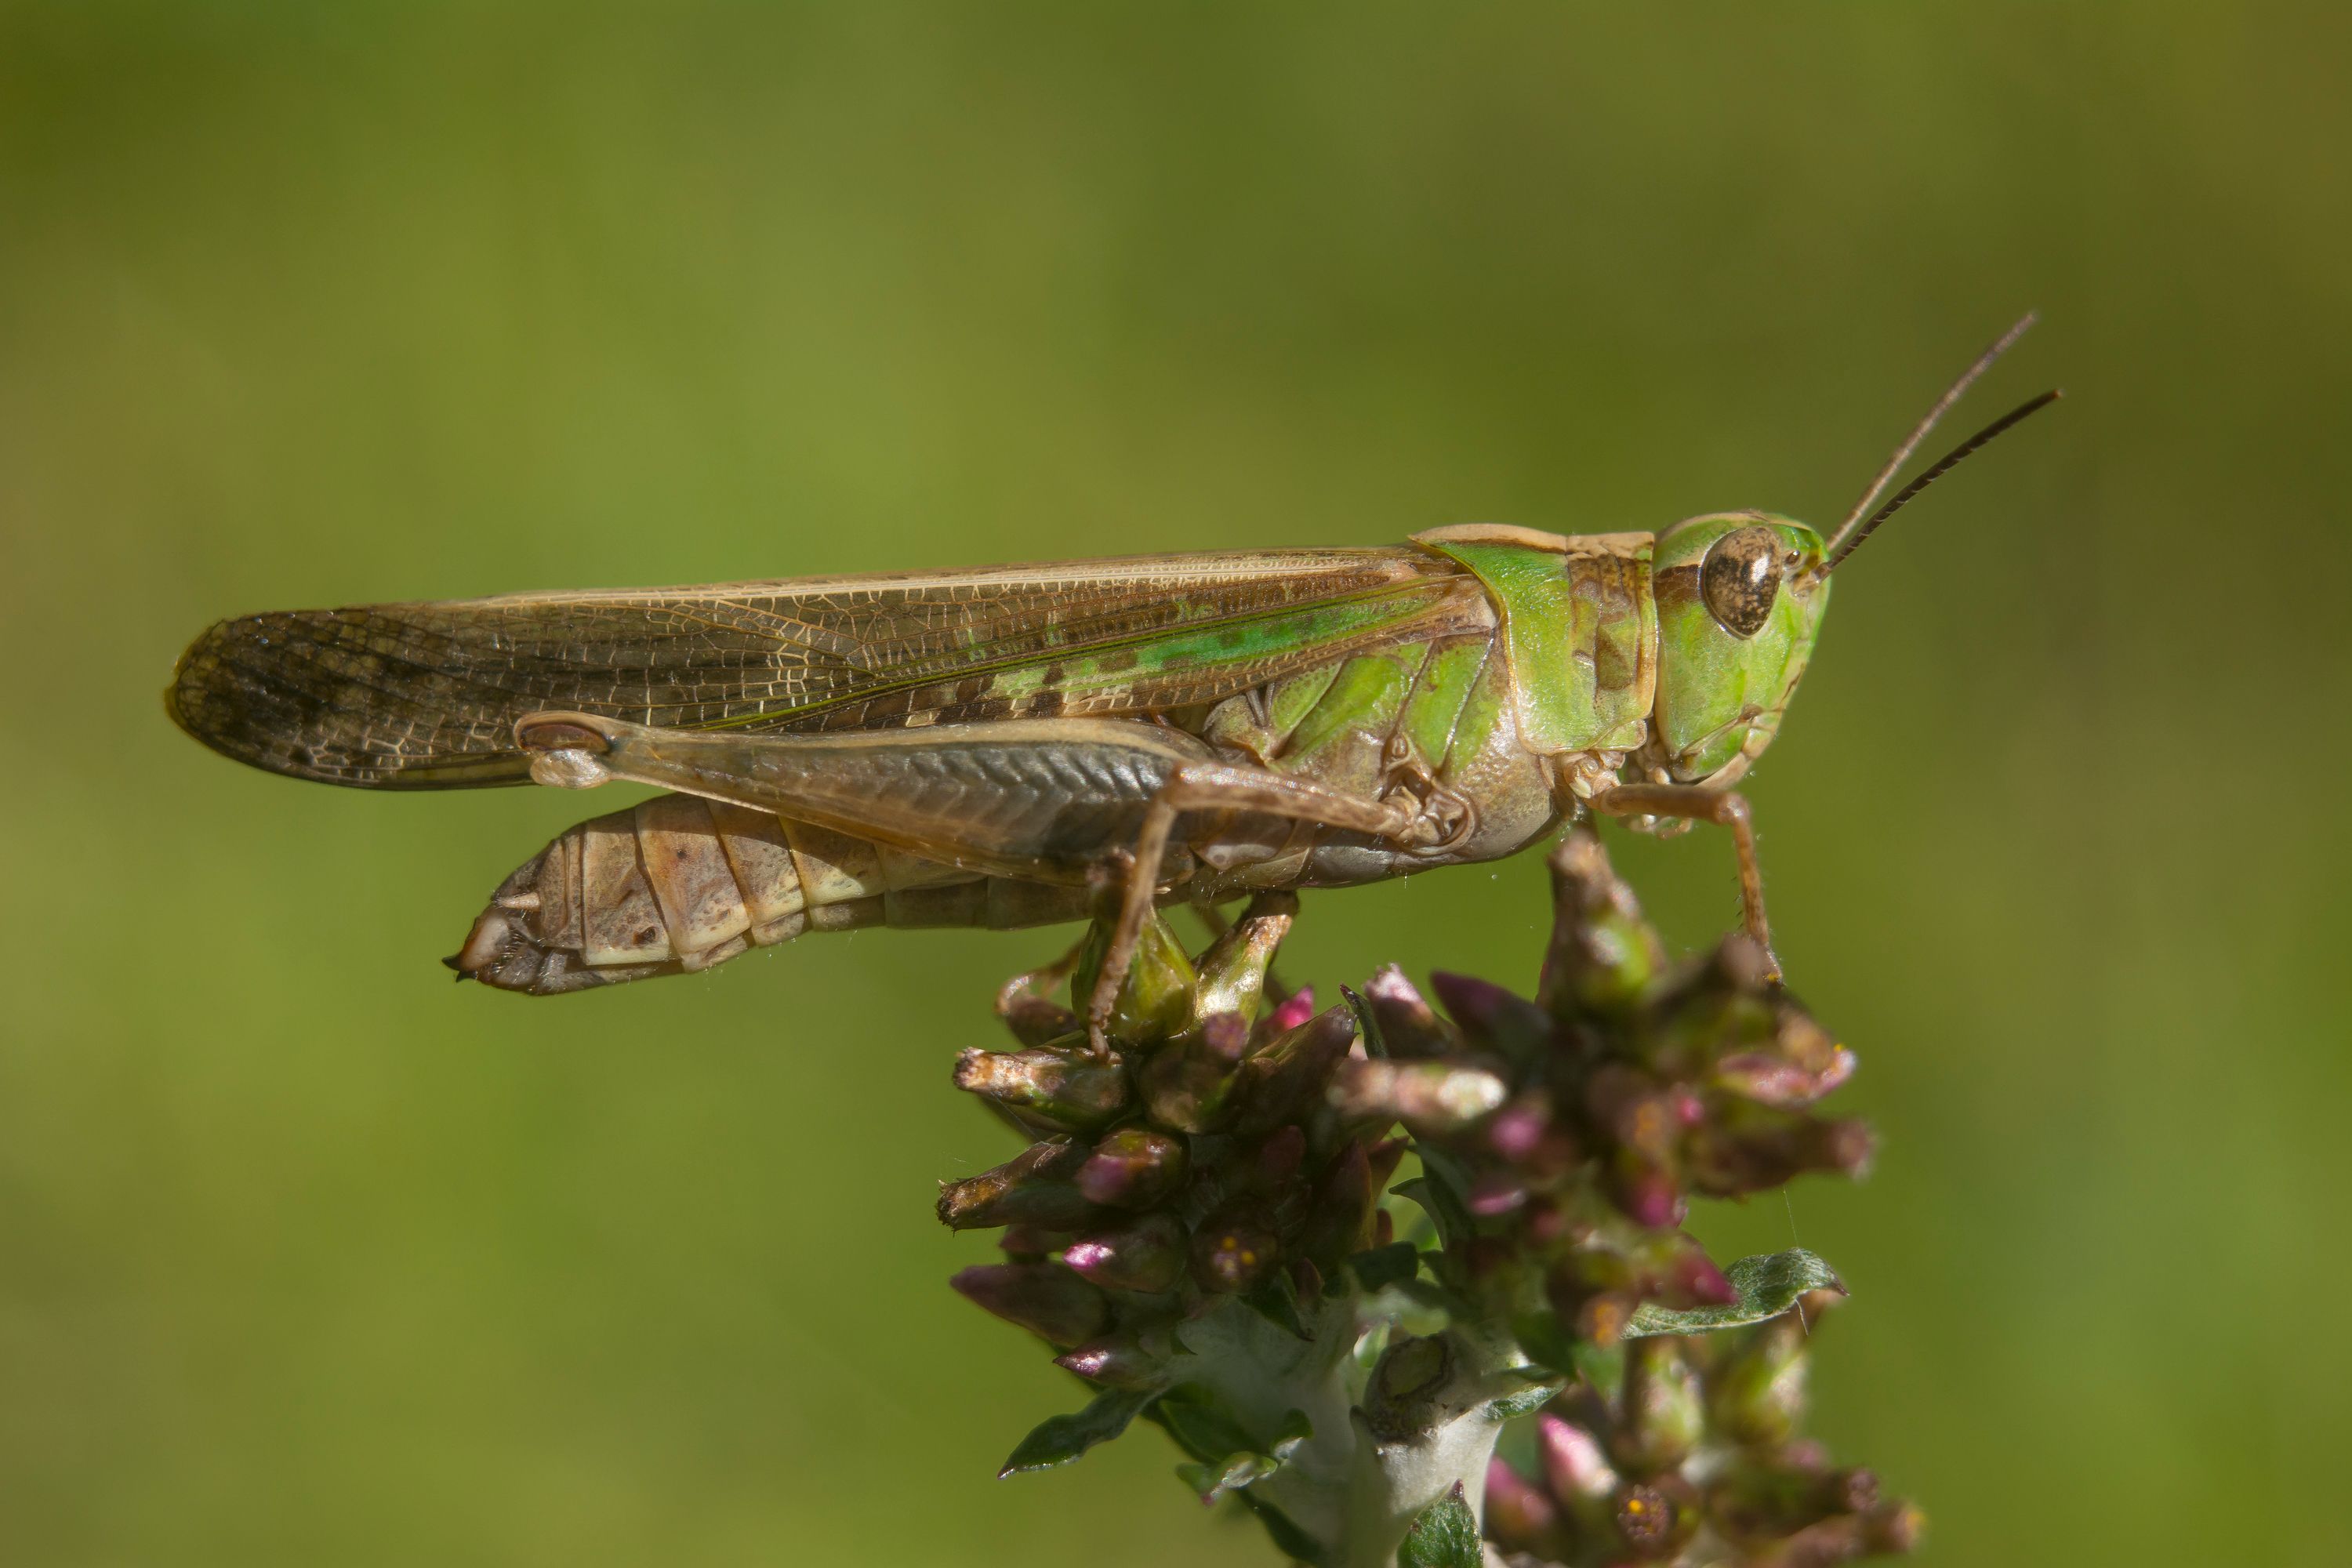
(425, 695)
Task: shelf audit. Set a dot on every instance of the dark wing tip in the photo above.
(332, 696)
(215, 700)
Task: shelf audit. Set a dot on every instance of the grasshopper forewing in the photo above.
(973, 748)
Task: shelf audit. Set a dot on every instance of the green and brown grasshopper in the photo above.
(975, 748)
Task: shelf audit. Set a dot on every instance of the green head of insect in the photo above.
(1740, 597)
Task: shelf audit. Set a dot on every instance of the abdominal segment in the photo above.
(679, 883)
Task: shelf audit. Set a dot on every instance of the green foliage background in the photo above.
(308, 1256)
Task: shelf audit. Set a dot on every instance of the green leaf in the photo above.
(1542, 1337)
(1240, 1469)
(1385, 1265)
(1199, 1428)
(1445, 1535)
(1450, 1170)
(1430, 1297)
(1368, 1026)
(1284, 1531)
(1767, 1286)
(1547, 1342)
(1602, 1366)
(1443, 1205)
(1062, 1438)
(1543, 1384)
(1275, 1298)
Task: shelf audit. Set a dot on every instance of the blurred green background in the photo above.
(308, 1256)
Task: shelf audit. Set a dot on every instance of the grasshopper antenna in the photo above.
(1941, 467)
(1839, 548)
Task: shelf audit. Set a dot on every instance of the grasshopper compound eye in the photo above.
(1740, 578)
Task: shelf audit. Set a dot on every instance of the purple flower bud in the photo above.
(1052, 1303)
(1647, 1193)
(1602, 954)
(1776, 1499)
(1587, 1269)
(1750, 1148)
(1292, 1070)
(1573, 1460)
(1492, 1018)
(1662, 1417)
(1890, 1529)
(1148, 1255)
(1485, 1257)
(1279, 1156)
(1544, 1225)
(1893, 1528)
(1296, 1010)
(1157, 998)
(1133, 1168)
(1434, 1097)
(1073, 1091)
(1409, 1028)
(1769, 1078)
(1031, 1188)
(1517, 1132)
(1740, 965)
(1689, 1279)
(1592, 1292)
(1496, 1192)
(1232, 972)
(1223, 1038)
(1631, 1109)
(1846, 1146)
(1603, 1316)
(1116, 1360)
(1651, 1522)
(1519, 1517)
(1187, 1083)
(1031, 1241)
(1759, 1396)
(1232, 1250)
(1338, 1224)
(1851, 1490)
(1035, 1020)
(1767, 1500)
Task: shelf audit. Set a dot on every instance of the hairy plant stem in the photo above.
(1384, 1447)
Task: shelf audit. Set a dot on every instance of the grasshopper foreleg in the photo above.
(1725, 808)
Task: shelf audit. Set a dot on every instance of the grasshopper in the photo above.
(986, 748)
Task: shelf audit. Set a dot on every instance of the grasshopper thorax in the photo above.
(1740, 596)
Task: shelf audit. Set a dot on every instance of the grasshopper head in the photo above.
(1740, 596)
